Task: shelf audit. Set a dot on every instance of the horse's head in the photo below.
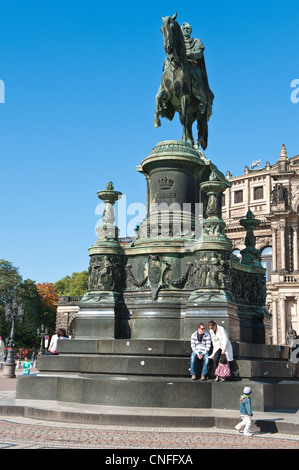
(169, 30)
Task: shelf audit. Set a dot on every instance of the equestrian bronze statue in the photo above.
(184, 84)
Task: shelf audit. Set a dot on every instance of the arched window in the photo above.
(266, 260)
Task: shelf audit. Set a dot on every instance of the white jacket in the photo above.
(220, 341)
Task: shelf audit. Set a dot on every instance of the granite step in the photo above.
(157, 392)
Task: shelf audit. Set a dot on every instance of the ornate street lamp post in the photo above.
(13, 313)
(41, 332)
(6, 348)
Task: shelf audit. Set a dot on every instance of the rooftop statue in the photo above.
(184, 84)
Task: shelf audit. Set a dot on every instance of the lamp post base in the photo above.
(9, 371)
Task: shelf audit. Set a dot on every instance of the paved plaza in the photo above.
(25, 433)
(21, 432)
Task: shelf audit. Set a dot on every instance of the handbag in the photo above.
(223, 359)
(223, 370)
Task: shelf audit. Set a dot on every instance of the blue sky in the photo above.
(80, 83)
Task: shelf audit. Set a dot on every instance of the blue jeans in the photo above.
(205, 363)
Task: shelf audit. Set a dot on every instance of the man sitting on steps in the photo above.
(200, 345)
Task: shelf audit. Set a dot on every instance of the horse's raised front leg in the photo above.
(157, 122)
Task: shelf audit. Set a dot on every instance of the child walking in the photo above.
(26, 366)
(246, 412)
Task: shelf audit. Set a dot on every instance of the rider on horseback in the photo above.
(200, 84)
(184, 84)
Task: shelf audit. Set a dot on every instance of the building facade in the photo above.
(66, 313)
(272, 195)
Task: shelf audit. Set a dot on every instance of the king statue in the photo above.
(200, 83)
(184, 84)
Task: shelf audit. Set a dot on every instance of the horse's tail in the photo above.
(202, 126)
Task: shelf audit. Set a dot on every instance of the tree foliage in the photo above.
(38, 301)
(48, 295)
(75, 285)
(49, 299)
(25, 330)
(9, 280)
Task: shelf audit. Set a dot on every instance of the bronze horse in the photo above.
(175, 92)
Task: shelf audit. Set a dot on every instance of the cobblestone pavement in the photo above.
(26, 433)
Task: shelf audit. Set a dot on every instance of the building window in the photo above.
(258, 192)
(266, 260)
(238, 196)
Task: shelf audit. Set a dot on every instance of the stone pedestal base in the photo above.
(101, 325)
(96, 318)
(154, 319)
(9, 371)
(252, 324)
(206, 305)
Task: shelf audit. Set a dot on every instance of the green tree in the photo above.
(63, 286)
(9, 280)
(74, 285)
(79, 283)
(26, 330)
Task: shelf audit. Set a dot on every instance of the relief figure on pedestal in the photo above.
(105, 273)
(211, 271)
